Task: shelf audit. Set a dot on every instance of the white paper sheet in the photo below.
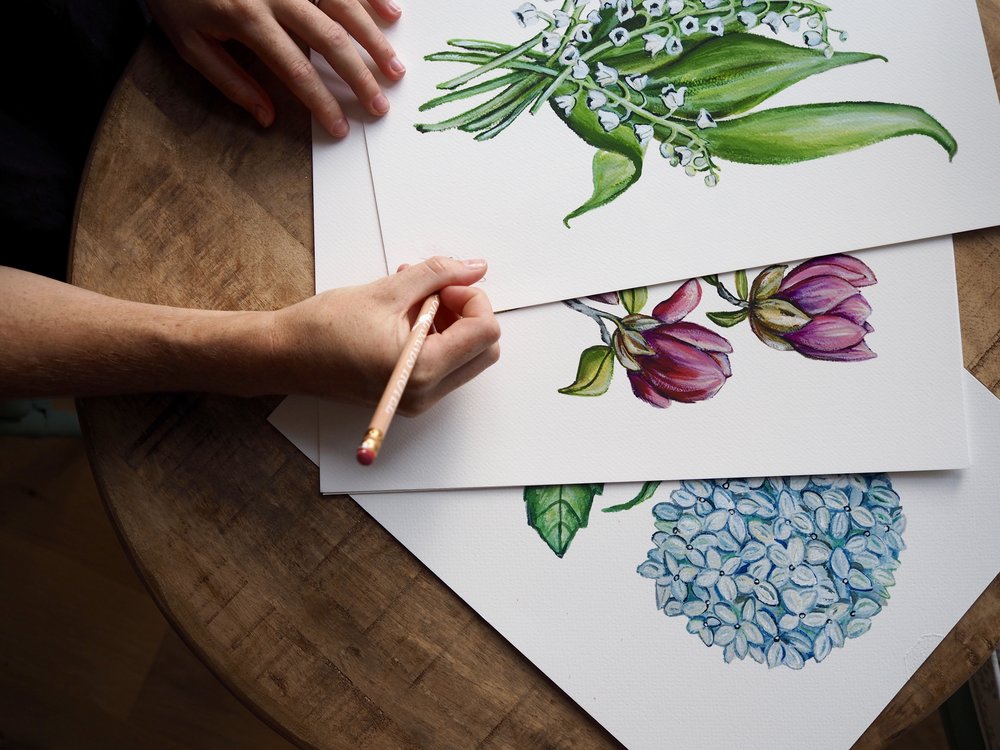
(779, 413)
(504, 199)
(590, 622)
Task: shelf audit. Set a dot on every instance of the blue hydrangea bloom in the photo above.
(780, 569)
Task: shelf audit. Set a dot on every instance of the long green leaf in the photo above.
(557, 512)
(617, 163)
(735, 73)
(792, 134)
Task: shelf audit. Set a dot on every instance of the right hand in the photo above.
(343, 344)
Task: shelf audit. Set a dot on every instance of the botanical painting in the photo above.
(685, 78)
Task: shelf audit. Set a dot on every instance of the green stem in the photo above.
(480, 45)
(497, 62)
(512, 114)
(479, 88)
(472, 57)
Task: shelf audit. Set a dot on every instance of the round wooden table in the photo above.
(306, 608)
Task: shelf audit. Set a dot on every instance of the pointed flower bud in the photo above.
(816, 309)
(684, 361)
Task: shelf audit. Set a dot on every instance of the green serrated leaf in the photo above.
(634, 299)
(793, 134)
(728, 319)
(593, 375)
(557, 512)
(741, 284)
(618, 162)
(644, 494)
(733, 74)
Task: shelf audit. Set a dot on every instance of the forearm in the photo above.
(56, 339)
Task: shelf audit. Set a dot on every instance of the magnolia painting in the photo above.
(816, 309)
(682, 76)
(779, 569)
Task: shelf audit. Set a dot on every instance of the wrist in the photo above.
(221, 352)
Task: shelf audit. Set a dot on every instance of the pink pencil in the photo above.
(386, 409)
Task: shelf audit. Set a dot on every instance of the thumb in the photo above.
(434, 274)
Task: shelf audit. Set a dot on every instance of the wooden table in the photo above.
(307, 609)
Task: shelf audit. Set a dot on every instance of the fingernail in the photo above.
(341, 128)
(262, 116)
(396, 66)
(475, 262)
(392, 7)
(380, 104)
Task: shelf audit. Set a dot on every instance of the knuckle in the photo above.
(336, 35)
(299, 71)
(493, 355)
(437, 264)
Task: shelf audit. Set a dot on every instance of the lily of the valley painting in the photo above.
(682, 76)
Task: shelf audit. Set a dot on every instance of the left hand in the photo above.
(197, 29)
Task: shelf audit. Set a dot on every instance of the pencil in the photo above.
(386, 409)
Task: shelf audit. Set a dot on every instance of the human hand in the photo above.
(197, 29)
(344, 343)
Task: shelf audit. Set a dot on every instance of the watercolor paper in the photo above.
(629, 644)
(504, 198)
(895, 404)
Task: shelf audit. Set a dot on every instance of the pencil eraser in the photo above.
(365, 456)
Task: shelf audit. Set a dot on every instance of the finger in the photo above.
(416, 403)
(272, 44)
(333, 40)
(208, 57)
(447, 351)
(355, 19)
(388, 9)
(423, 279)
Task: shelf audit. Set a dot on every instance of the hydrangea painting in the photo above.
(782, 570)
(683, 77)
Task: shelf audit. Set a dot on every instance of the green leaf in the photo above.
(614, 173)
(741, 284)
(644, 494)
(617, 163)
(593, 375)
(792, 134)
(729, 318)
(735, 73)
(557, 512)
(634, 299)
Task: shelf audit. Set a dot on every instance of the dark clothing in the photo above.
(59, 65)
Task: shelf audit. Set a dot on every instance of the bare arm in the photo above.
(59, 339)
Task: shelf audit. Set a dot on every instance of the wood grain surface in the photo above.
(308, 610)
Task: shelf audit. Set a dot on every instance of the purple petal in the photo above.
(723, 361)
(818, 294)
(826, 333)
(643, 390)
(608, 298)
(856, 353)
(856, 309)
(680, 303)
(845, 267)
(680, 371)
(697, 336)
